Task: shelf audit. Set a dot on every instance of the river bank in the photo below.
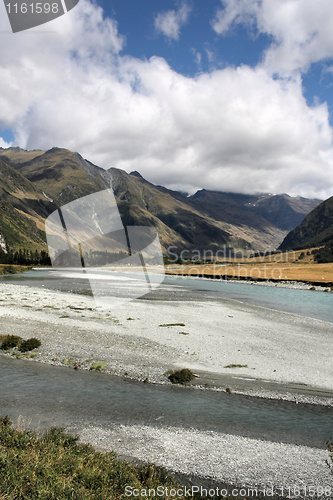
(270, 448)
(13, 269)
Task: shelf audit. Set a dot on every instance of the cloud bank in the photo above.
(237, 129)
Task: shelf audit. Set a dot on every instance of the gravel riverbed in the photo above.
(275, 351)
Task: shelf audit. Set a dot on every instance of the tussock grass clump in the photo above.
(181, 376)
(10, 341)
(98, 366)
(56, 466)
(29, 345)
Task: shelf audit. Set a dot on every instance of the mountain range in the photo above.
(35, 183)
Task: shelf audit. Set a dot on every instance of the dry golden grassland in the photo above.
(288, 266)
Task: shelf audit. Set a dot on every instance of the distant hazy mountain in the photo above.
(34, 183)
(315, 230)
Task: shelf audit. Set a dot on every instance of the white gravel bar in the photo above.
(133, 339)
(232, 460)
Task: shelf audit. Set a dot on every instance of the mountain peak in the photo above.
(136, 173)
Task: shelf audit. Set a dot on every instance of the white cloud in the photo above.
(169, 23)
(197, 57)
(235, 129)
(302, 30)
(235, 12)
(4, 144)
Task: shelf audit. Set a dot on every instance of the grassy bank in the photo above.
(12, 269)
(55, 466)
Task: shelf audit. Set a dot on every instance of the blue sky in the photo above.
(137, 22)
(233, 95)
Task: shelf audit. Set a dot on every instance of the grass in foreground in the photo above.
(55, 466)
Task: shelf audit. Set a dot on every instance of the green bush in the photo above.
(10, 341)
(29, 345)
(99, 366)
(324, 254)
(181, 376)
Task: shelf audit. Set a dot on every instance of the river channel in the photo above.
(45, 395)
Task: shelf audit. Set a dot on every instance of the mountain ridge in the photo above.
(205, 220)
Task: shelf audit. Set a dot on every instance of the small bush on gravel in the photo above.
(29, 345)
(181, 376)
(99, 366)
(10, 341)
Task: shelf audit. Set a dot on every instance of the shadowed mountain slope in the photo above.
(315, 230)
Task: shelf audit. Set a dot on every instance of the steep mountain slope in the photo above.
(22, 211)
(34, 183)
(315, 230)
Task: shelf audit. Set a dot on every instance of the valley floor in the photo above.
(307, 273)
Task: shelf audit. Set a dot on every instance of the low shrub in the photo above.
(10, 341)
(67, 361)
(324, 254)
(99, 366)
(29, 345)
(181, 376)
